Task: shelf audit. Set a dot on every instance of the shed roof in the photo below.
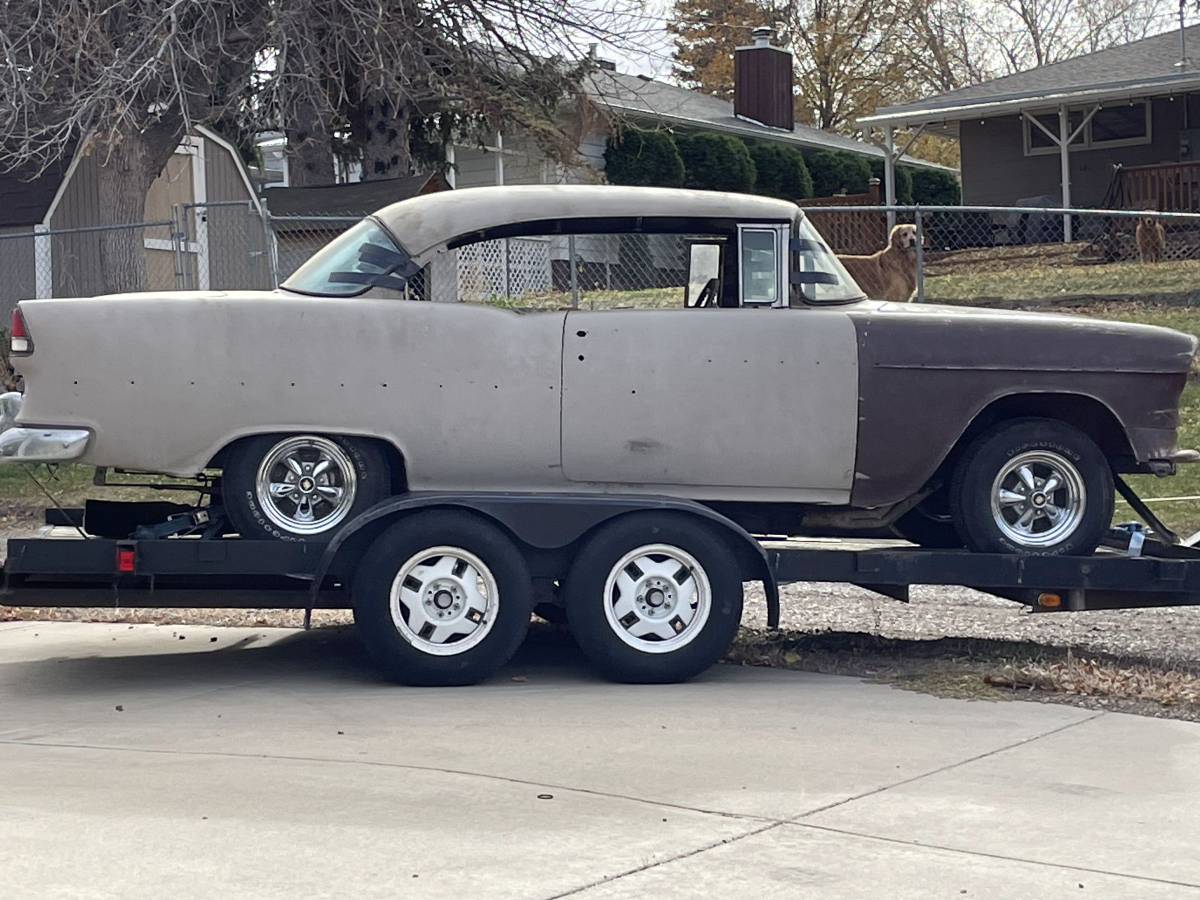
(1137, 69)
(425, 223)
(25, 196)
(356, 199)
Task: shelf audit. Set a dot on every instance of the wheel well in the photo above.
(1088, 414)
(395, 459)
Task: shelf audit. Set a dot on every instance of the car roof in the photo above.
(426, 223)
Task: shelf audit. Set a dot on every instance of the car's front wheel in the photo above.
(301, 487)
(1035, 486)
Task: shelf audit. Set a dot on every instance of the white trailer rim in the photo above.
(444, 600)
(657, 598)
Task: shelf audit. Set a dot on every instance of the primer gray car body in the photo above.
(850, 403)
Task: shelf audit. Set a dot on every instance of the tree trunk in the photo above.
(310, 154)
(383, 134)
(125, 172)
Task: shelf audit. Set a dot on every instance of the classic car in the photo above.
(774, 391)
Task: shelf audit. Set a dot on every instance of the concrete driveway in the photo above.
(236, 762)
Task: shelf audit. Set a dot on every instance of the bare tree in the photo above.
(845, 53)
(124, 80)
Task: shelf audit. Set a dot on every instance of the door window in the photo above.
(759, 253)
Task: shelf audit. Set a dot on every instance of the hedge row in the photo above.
(723, 162)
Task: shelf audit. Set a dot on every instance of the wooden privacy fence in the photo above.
(850, 232)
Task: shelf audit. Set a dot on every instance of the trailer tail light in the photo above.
(20, 343)
(126, 560)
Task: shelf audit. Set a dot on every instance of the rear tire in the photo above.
(442, 598)
(301, 487)
(1034, 486)
(654, 598)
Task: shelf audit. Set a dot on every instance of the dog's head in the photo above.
(1148, 221)
(904, 238)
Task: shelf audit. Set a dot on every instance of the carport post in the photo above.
(1064, 154)
(889, 175)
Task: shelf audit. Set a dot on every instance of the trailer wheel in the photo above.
(654, 597)
(301, 487)
(1034, 486)
(442, 598)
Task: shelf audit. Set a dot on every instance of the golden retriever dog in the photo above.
(1151, 240)
(890, 273)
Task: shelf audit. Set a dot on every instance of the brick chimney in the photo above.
(762, 82)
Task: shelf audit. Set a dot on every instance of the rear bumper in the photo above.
(36, 445)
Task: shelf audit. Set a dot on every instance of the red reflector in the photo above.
(19, 341)
(125, 560)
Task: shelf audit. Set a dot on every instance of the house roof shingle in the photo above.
(640, 97)
(1147, 64)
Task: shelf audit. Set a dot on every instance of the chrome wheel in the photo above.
(444, 600)
(1038, 499)
(657, 598)
(306, 485)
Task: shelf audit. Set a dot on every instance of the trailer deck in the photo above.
(68, 567)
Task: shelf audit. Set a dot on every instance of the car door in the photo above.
(750, 397)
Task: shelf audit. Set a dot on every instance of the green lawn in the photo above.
(1029, 279)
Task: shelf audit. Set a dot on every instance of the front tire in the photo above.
(654, 598)
(301, 487)
(1034, 486)
(442, 598)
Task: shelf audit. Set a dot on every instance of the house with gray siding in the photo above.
(1118, 127)
(47, 249)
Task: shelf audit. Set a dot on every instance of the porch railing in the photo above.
(1165, 187)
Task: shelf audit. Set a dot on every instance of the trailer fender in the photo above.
(550, 522)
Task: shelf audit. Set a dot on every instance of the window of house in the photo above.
(1120, 125)
(1038, 142)
(1110, 126)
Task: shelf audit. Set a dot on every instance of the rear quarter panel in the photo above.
(468, 394)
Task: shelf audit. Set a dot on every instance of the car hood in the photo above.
(920, 335)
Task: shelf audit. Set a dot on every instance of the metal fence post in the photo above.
(574, 272)
(178, 237)
(917, 220)
(269, 248)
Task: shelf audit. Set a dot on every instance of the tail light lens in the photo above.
(21, 344)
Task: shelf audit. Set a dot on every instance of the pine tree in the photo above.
(706, 33)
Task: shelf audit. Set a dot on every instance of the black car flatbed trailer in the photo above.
(195, 568)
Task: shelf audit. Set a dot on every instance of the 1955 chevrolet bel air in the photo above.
(775, 391)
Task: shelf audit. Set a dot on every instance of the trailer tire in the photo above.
(442, 598)
(1033, 486)
(354, 466)
(654, 598)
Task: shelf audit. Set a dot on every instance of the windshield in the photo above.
(361, 258)
(817, 274)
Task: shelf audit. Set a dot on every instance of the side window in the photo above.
(759, 255)
(615, 270)
(704, 275)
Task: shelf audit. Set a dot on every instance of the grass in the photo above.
(1031, 279)
(982, 669)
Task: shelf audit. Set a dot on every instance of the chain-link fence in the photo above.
(590, 271)
(982, 255)
(977, 254)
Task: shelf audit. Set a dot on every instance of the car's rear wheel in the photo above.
(301, 487)
(654, 597)
(442, 598)
(1035, 486)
